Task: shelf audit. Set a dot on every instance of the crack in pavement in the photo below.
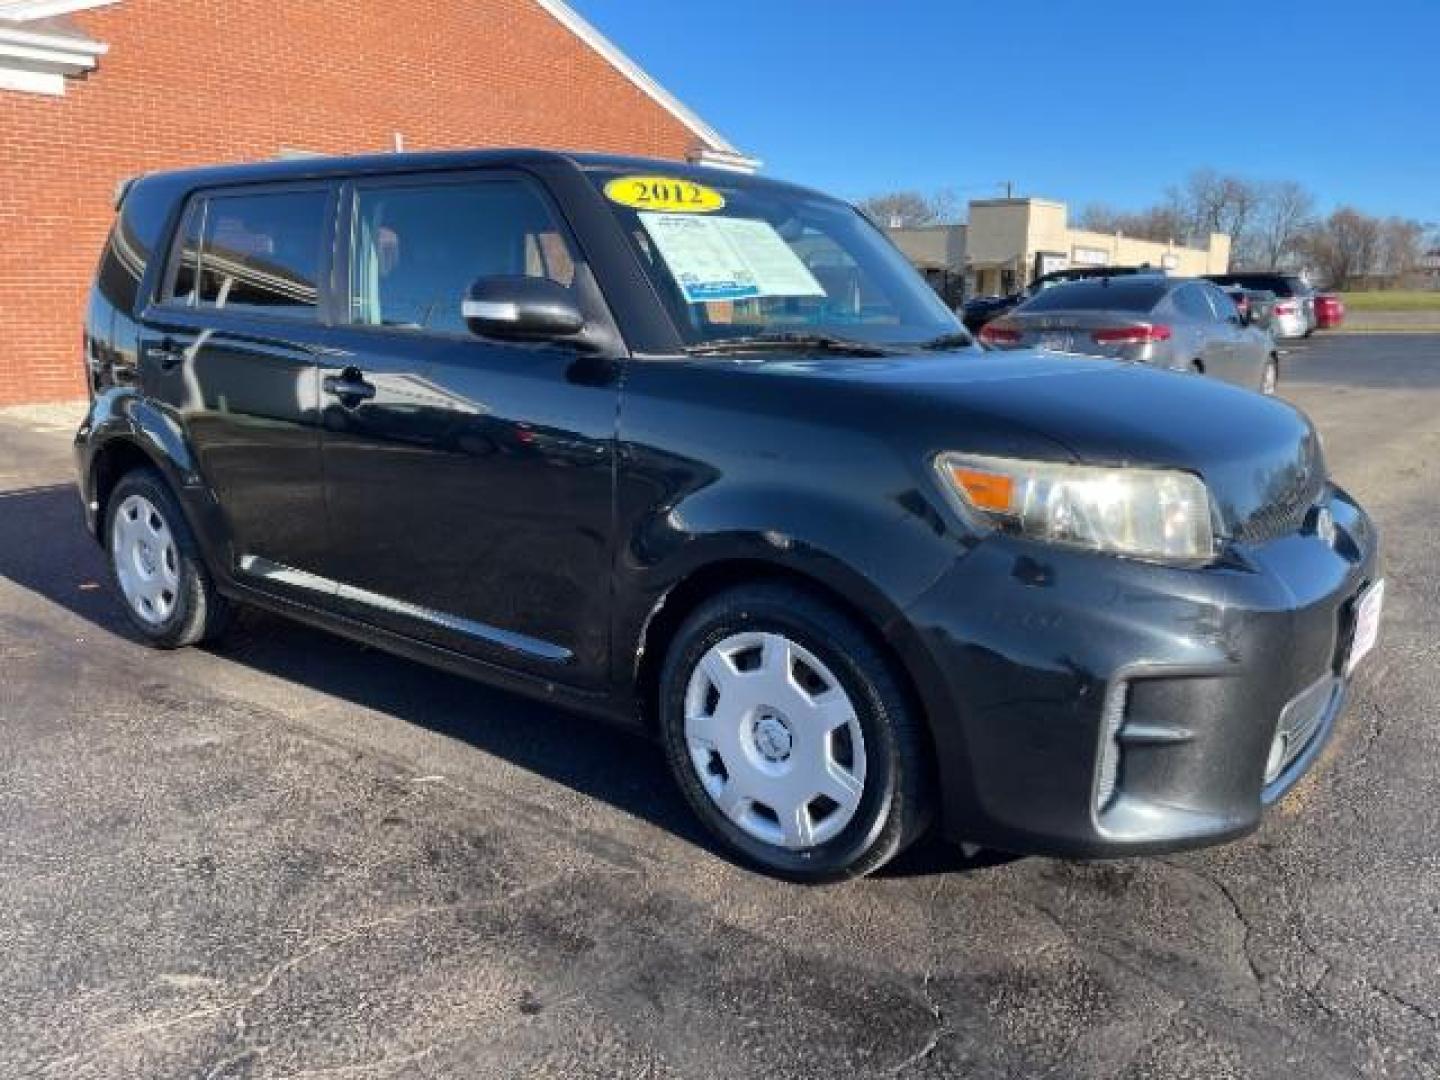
(937, 1030)
(241, 1005)
(1218, 886)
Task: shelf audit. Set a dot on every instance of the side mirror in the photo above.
(523, 308)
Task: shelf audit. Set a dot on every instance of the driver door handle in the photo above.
(349, 386)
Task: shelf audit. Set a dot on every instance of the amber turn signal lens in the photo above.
(986, 491)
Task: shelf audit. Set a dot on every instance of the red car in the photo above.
(1329, 311)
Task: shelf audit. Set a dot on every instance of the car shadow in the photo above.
(45, 549)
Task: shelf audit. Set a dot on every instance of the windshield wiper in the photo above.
(954, 340)
(788, 340)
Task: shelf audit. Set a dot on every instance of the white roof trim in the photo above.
(26, 10)
(587, 33)
(723, 159)
(67, 45)
(38, 59)
(66, 61)
(31, 82)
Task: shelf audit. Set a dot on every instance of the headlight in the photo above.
(1148, 513)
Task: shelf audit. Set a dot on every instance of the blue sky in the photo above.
(1080, 100)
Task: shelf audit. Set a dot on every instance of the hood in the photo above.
(1259, 456)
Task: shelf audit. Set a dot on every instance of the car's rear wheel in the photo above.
(1270, 380)
(791, 737)
(166, 590)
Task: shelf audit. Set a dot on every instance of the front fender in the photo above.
(876, 554)
(881, 552)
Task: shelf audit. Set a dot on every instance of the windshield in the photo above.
(739, 259)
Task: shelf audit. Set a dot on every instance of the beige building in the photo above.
(1009, 242)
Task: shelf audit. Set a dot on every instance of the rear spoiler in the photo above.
(122, 188)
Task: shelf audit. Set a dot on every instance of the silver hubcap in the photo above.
(774, 740)
(146, 560)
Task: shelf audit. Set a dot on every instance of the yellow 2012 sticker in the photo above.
(663, 193)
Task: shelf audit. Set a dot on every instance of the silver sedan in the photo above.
(1180, 323)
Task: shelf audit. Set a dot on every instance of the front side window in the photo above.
(417, 248)
(736, 258)
(259, 253)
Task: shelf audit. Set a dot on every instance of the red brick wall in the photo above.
(200, 81)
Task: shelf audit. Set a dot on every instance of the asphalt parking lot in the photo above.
(289, 856)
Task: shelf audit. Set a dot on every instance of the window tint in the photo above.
(1277, 284)
(1190, 300)
(262, 253)
(1108, 294)
(418, 249)
(121, 268)
(1224, 305)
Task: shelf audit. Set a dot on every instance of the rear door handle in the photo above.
(349, 386)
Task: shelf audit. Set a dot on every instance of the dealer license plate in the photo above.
(1367, 624)
(1056, 342)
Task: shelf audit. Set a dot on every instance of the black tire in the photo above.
(894, 806)
(200, 613)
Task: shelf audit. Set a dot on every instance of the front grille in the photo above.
(1294, 492)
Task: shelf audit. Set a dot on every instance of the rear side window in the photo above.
(1223, 303)
(1190, 300)
(1113, 294)
(259, 253)
(1280, 286)
(417, 248)
(121, 268)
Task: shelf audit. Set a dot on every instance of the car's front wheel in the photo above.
(167, 591)
(791, 737)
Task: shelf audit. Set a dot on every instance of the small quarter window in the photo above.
(418, 248)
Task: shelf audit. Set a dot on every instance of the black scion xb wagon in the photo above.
(701, 452)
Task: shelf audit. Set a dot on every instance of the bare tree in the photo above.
(1209, 202)
(1345, 247)
(1283, 220)
(912, 209)
(1402, 243)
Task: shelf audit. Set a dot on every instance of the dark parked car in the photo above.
(702, 453)
(982, 309)
(1293, 314)
(1177, 323)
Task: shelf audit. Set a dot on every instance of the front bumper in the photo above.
(1039, 661)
